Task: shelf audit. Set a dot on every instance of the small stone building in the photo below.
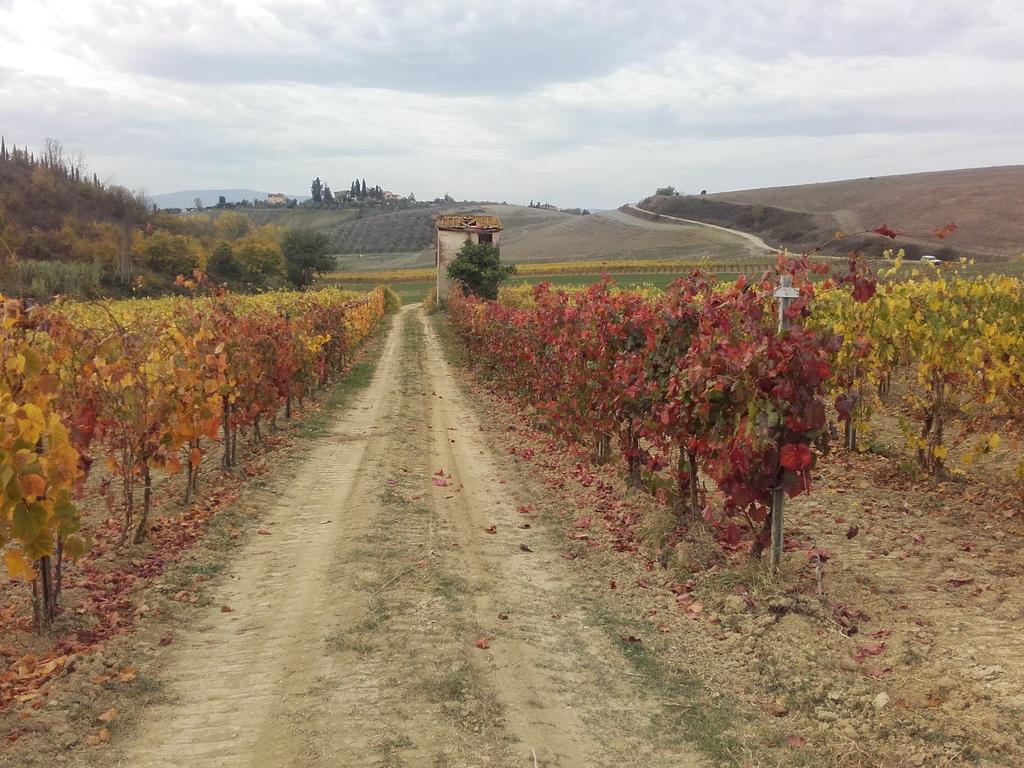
(453, 231)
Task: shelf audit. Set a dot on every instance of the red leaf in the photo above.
(483, 643)
(852, 532)
(886, 231)
(796, 742)
(629, 638)
(795, 457)
(491, 529)
(863, 289)
(732, 535)
(583, 522)
(263, 532)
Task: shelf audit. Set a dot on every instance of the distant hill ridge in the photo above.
(984, 203)
(186, 198)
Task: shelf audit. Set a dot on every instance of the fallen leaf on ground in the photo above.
(263, 532)
(503, 616)
(796, 742)
(483, 643)
(100, 737)
(491, 529)
(226, 609)
(107, 716)
(629, 638)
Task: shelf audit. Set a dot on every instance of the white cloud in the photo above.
(584, 103)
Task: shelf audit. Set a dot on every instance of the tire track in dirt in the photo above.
(238, 679)
(562, 683)
(352, 630)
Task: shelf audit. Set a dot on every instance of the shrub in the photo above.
(478, 269)
(392, 301)
(430, 303)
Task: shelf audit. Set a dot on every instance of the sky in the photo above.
(575, 102)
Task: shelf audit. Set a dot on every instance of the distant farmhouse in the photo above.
(453, 231)
(276, 198)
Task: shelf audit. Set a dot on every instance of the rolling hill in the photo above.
(405, 238)
(983, 202)
(185, 198)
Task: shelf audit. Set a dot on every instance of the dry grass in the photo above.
(983, 202)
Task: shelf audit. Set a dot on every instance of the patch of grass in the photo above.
(356, 380)
(451, 586)
(390, 745)
(409, 292)
(451, 686)
(880, 448)
(203, 569)
(689, 709)
(348, 641)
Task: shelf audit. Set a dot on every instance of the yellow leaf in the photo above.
(32, 486)
(18, 565)
(15, 365)
(993, 442)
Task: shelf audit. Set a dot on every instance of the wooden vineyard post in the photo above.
(785, 294)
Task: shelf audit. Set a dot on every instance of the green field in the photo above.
(411, 292)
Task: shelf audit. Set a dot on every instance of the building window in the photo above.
(486, 237)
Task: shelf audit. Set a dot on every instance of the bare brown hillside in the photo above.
(983, 202)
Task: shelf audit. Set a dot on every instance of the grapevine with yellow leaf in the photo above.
(145, 383)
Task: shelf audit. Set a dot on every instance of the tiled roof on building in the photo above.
(467, 221)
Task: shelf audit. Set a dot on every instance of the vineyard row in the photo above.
(702, 380)
(147, 385)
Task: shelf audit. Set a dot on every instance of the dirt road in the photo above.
(353, 622)
(753, 239)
